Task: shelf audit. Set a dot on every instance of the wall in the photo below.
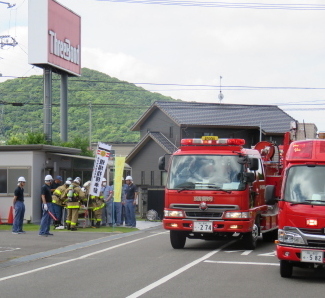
(147, 161)
(16, 159)
(159, 122)
(39, 172)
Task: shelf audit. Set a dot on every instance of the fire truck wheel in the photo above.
(177, 239)
(250, 239)
(285, 268)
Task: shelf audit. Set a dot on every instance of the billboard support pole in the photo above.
(47, 103)
(64, 107)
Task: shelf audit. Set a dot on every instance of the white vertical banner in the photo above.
(102, 155)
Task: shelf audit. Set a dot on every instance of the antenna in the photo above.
(7, 40)
(220, 96)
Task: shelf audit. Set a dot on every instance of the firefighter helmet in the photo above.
(21, 179)
(48, 178)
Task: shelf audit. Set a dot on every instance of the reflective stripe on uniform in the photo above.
(100, 207)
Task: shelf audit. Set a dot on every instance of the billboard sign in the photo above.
(54, 36)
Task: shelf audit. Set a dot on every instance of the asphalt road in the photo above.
(143, 264)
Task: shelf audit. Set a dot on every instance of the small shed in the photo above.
(34, 162)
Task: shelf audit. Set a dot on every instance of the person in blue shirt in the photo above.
(46, 207)
(131, 197)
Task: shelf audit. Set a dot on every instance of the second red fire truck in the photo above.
(301, 239)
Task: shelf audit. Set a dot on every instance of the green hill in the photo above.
(116, 105)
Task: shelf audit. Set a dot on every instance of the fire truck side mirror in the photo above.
(249, 177)
(161, 163)
(269, 195)
(253, 164)
(242, 160)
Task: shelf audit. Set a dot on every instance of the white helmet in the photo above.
(77, 180)
(87, 184)
(128, 178)
(21, 179)
(68, 182)
(104, 180)
(48, 178)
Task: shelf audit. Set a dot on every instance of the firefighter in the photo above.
(96, 204)
(73, 195)
(58, 203)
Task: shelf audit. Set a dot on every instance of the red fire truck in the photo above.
(216, 188)
(301, 238)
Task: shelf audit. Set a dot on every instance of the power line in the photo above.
(229, 87)
(214, 4)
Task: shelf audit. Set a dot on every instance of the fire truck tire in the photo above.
(250, 239)
(285, 268)
(177, 239)
(270, 236)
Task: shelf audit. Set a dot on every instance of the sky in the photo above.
(271, 52)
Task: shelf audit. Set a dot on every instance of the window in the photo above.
(152, 178)
(9, 177)
(171, 131)
(163, 178)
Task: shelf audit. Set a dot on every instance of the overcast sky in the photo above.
(193, 45)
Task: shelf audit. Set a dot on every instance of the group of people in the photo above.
(71, 196)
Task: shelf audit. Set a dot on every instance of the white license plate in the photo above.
(312, 256)
(202, 226)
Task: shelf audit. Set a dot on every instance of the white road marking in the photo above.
(4, 249)
(269, 254)
(245, 252)
(177, 272)
(77, 259)
(242, 263)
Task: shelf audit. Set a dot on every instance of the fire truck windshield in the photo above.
(305, 185)
(205, 172)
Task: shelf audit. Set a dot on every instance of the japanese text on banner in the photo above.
(101, 161)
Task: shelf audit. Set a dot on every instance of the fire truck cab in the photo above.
(301, 238)
(215, 189)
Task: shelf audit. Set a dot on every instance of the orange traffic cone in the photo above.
(11, 216)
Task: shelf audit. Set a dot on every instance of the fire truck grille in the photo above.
(204, 214)
(316, 243)
(312, 231)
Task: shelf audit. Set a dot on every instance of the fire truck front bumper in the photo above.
(208, 226)
(300, 254)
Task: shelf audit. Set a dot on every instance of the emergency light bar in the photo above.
(209, 140)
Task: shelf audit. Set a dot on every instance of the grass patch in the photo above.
(34, 227)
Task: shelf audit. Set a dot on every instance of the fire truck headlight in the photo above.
(290, 237)
(173, 213)
(237, 215)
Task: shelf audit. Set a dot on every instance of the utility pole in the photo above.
(7, 40)
(90, 124)
(220, 96)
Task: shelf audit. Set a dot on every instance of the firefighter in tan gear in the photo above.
(58, 203)
(96, 204)
(73, 195)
